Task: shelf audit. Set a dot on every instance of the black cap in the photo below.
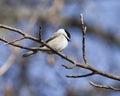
(68, 34)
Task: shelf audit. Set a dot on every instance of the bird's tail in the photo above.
(29, 53)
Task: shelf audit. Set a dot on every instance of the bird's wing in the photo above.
(51, 38)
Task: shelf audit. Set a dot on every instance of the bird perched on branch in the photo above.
(58, 41)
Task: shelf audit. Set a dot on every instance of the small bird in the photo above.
(58, 41)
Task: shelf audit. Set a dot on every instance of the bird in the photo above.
(58, 41)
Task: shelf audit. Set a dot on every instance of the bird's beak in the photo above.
(69, 39)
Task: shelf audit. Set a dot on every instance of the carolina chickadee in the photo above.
(58, 41)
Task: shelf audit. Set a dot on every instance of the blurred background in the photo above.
(42, 74)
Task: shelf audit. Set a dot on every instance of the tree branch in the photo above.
(69, 67)
(78, 64)
(40, 33)
(11, 29)
(84, 29)
(19, 39)
(80, 76)
(104, 86)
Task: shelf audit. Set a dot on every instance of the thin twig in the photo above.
(16, 45)
(84, 29)
(40, 33)
(69, 67)
(19, 39)
(11, 29)
(104, 86)
(23, 47)
(80, 76)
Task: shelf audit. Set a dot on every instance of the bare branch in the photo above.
(23, 47)
(69, 67)
(16, 45)
(78, 64)
(12, 29)
(84, 29)
(40, 33)
(19, 39)
(26, 36)
(80, 76)
(104, 86)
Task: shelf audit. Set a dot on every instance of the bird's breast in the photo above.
(59, 43)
